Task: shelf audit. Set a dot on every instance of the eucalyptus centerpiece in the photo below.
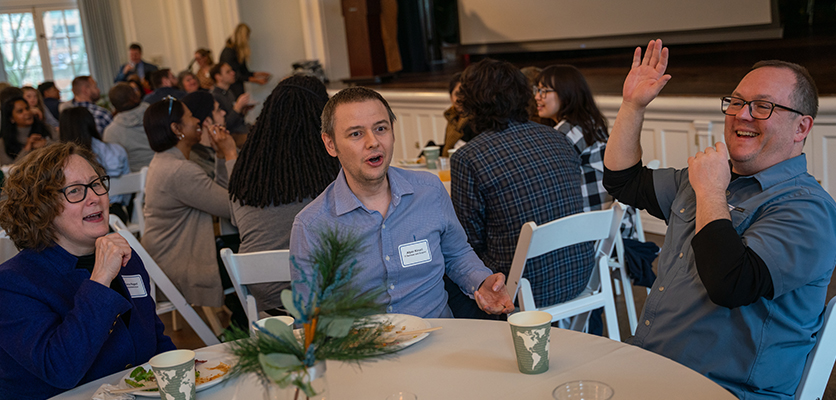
(334, 319)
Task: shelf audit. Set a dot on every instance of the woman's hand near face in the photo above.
(112, 253)
(224, 143)
(37, 112)
(35, 141)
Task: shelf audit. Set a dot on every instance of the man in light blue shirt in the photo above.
(410, 236)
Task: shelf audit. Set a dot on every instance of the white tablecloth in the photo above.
(472, 359)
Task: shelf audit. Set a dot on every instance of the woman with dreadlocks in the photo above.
(282, 167)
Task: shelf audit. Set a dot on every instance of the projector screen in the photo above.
(487, 22)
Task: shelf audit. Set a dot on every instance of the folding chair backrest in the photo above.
(820, 360)
(156, 274)
(7, 247)
(133, 183)
(256, 267)
(537, 240)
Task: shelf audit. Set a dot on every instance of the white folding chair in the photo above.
(7, 247)
(600, 226)
(133, 183)
(257, 267)
(156, 274)
(617, 263)
(820, 360)
(163, 307)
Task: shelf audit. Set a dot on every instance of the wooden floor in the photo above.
(185, 338)
(697, 69)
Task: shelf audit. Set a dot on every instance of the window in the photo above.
(42, 45)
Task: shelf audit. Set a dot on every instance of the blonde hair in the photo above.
(240, 41)
(41, 106)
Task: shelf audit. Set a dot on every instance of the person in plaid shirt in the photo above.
(563, 95)
(85, 94)
(512, 172)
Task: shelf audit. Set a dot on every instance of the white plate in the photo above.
(405, 323)
(212, 360)
(411, 164)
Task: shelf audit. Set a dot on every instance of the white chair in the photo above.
(163, 307)
(618, 265)
(257, 267)
(7, 247)
(820, 360)
(600, 226)
(133, 183)
(167, 287)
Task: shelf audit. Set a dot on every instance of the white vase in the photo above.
(315, 376)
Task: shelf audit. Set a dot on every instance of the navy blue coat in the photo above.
(59, 329)
(148, 70)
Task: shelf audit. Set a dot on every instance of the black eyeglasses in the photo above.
(758, 109)
(78, 192)
(541, 91)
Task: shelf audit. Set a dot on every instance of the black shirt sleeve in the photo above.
(634, 186)
(733, 274)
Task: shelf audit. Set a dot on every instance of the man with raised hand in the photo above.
(409, 234)
(750, 245)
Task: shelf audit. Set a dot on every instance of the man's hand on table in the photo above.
(492, 297)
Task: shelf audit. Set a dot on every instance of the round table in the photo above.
(474, 359)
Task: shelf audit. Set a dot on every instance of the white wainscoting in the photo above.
(675, 128)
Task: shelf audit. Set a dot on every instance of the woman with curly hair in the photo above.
(76, 303)
(237, 55)
(282, 167)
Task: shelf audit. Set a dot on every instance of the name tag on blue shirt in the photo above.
(135, 286)
(415, 253)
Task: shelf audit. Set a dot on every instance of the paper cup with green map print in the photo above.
(175, 374)
(530, 331)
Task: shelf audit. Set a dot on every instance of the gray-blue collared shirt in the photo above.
(407, 253)
(756, 351)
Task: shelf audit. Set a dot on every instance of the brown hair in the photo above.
(357, 94)
(805, 97)
(123, 97)
(240, 41)
(494, 93)
(32, 198)
(215, 70)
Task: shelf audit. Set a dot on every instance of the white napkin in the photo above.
(104, 394)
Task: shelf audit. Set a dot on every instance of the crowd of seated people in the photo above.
(732, 266)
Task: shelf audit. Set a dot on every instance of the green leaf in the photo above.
(280, 329)
(287, 302)
(337, 326)
(277, 366)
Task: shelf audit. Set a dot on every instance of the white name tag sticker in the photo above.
(135, 286)
(415, 253)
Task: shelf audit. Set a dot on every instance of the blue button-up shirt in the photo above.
(420, 213)
(756, 351)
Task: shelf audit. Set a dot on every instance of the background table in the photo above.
(473, 359)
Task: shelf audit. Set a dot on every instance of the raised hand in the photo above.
(112, 253)
(223, 142)
(241, 103)
(492, 297)
(647, 75)
(708, 171)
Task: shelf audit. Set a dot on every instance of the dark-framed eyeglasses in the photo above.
(541, 91)
(758, 109)
(78, 192)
